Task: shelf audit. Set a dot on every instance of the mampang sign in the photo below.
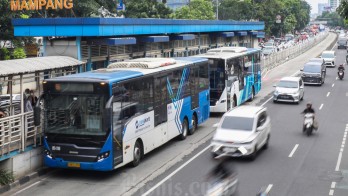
(18, 5)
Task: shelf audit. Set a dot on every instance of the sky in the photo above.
(314, 4)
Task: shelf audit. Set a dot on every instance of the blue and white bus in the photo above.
(235, 76)
(104, 119)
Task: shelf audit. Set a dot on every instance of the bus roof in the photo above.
(228, 52)
(119, 71)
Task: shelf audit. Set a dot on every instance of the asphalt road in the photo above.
(294, 164)
(271, 167)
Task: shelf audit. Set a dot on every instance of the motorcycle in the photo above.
(220, 185)
(308, 123)
(340, 74)
(227, 186)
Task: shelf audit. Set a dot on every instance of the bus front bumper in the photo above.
(103, 165)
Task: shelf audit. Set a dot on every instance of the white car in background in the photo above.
(242, 132)
(289, 89)
(329, 58)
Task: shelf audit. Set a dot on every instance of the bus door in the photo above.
(117, 126)
(160, 106)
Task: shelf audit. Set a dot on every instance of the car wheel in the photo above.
(194, 125)
(267, 142)
(253, 155)
(137, 152)
(274, 101)
(302, 97)
(184, 130)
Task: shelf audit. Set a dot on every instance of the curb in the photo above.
(23, 180)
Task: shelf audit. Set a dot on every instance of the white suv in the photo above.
(242, 132)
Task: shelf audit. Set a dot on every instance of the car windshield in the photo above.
(238, 123)
(327, 55)
(312, 68)
(74, 114)
(287, 84)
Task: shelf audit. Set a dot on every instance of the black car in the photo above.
(313, 73)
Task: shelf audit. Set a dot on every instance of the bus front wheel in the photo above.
(137, 154)
(184, 129)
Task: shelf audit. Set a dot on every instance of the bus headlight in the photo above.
(48, 154)
(103, 156)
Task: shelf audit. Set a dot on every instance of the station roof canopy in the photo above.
(37, 64)
(107, 27)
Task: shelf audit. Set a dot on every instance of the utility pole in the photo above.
(217, 9)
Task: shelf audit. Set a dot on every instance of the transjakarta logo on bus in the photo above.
(140, 123)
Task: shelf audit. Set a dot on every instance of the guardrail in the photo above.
(17, 133)
(275, 59)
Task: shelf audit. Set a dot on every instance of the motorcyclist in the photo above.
(308, 109)
(222, 171)
(341, 68)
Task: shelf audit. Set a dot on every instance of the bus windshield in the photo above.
(74, 114)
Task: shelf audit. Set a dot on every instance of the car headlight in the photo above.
(276, 93)
(103, 156)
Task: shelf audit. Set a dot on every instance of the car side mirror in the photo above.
(301, 87)
(301, 69)
(274, 85)
(258, 129)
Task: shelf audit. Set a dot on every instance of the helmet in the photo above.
(309, 104)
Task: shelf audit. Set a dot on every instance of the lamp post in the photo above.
(217, 9)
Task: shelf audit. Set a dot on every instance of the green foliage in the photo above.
(146, 9)
(333, 19)
(294, 13)
(343, 9)
(196, 9)
(19, 53)
(4, 54)
(6, 177)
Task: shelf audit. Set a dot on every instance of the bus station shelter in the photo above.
(101, 41)
(17, 130)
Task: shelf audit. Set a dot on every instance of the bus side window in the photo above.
(203, 77)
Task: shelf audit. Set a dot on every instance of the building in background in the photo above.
(321, 8)
(334, 4)
(175, 4)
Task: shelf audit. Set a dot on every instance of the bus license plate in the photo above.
(76, 165)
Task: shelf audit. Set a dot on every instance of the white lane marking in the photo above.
(269, 188)
(333, 46)
(331, 192)
(321, 106)
(338, 162)
(266, 74)
(333, 185)
(328, 94)
(333, 85)
(176, 171)
(293, 150)
(28, 187)
(341, 150)
(336, 78)
(294, 74)
(343, 142)
(216, 125)
(342, 146)
(182, 166)
(267, 101)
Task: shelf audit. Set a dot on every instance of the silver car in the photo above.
(289, 89)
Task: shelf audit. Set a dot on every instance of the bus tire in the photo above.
(184, 129)
(194, 124)
(137, 154)
(234, 103)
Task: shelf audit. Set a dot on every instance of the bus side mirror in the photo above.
(106, 119)
(37, 116)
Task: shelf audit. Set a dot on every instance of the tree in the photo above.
(19, 53)
(343, 9)
(332, 18)
(236, 10)
(146, 9)
(196, 9)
